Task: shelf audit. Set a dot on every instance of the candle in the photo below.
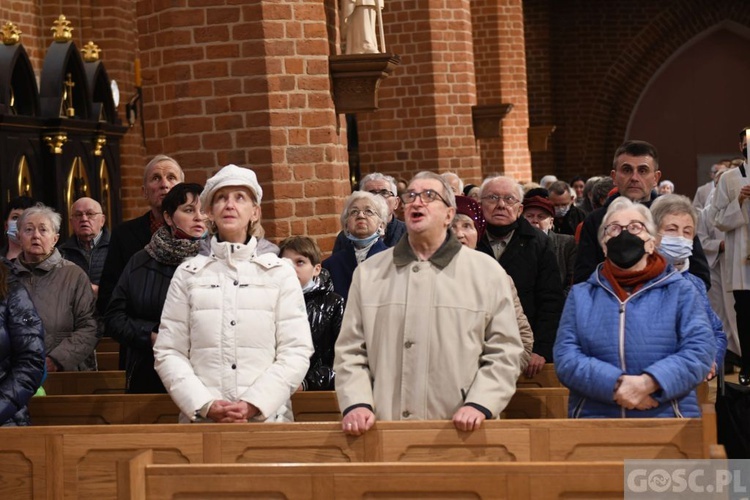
(137, 72)
(747, 141)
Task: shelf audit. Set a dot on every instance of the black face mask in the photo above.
(625, 249)
(744, 152)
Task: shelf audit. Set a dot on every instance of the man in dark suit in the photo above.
(526, 255)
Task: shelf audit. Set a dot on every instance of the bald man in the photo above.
(88, 245)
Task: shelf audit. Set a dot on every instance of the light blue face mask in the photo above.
(12, 231)
(675, 248)
(362, 242)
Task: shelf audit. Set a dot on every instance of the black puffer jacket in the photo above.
(325, 310)
(134, 311)
(21, 354)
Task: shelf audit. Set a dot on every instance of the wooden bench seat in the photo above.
(307, 406)
(139, 479)
(80, 461)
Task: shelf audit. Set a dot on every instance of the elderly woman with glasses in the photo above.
(363, 221)
(634, 339)
(60, 290)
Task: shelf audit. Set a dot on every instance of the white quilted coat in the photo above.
(234, 327)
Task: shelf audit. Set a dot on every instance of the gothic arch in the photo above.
(637, 65)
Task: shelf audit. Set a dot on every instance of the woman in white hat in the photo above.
(234, 341)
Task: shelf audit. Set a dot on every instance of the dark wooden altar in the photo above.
(61, 140)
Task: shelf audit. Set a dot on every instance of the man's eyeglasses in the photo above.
(80, 215)
(634, 227)
(427, 196)
(493, 199)
(366, 212)
(381, 192)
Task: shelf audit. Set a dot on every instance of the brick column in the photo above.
(500, 60)
(424, 121)
(248, 84)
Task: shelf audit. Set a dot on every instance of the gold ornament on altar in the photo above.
(56, 142)
(11, 34)
(91, 52)
(62, 30)
(101, 141)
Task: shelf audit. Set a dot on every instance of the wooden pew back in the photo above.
(139, 479)
(81, 461)
(307, 407)
(112, 381)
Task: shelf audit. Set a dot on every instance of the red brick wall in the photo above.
(248, 84)
(498, 30)
(603, 55)
(424, 120)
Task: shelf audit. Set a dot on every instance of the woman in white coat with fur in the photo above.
(234, 342)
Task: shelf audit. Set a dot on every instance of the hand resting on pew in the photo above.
(358, 421)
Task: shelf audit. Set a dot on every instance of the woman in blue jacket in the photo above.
(634, 339)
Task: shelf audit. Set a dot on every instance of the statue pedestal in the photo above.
(486, 119)
(539, 137)
(356, 78)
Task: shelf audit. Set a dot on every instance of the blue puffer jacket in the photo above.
(661, 330)
(21, 353)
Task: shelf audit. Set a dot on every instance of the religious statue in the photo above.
(358, 26)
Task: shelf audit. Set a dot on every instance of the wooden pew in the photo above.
(113, 381)
(308, 407)
(108, 344)
(546, 378)
(107, 361)
(139, 479)
(73, 383)
(80, 461)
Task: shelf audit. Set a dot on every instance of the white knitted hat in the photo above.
(231, 175)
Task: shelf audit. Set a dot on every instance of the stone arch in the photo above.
(637, 65)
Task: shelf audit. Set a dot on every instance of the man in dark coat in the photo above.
(161, 173)
(526, 255)
(635, 171)
(567, 216)
(88, 245)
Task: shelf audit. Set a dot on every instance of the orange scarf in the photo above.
(633, 280)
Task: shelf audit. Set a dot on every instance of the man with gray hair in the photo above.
(455, 182)
(160, 175)
(527, 256)
(430, 329)
(88, 245)
(384, 186)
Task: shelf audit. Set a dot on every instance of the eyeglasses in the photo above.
(381, 192)
(427, 196)
(89, 215)
(634, 227)
(366, 212)
(493, 199)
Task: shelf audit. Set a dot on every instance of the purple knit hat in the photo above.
(467, 206)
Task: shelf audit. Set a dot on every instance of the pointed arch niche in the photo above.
(694, 105)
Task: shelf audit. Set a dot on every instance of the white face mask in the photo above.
(562, 211)
(675, 248)
(12, 231)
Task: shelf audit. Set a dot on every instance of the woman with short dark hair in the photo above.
(134, 311)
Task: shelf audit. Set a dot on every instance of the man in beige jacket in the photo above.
(429, 330)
